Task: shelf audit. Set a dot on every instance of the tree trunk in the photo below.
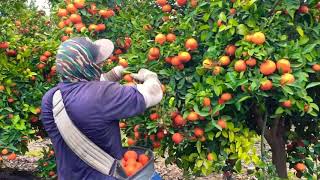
(274, 136)
(279, 156)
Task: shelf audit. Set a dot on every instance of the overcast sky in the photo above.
(42, 5)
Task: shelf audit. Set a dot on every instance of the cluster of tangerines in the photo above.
(267, 67)
(179, 60)
(5, 152)
(76, 20)
(132, 162)
(166, 7)
(198, 133)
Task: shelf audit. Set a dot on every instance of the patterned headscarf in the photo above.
(75, 61)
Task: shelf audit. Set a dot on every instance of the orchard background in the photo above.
(233, 71)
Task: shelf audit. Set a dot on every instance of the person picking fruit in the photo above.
(81, 113)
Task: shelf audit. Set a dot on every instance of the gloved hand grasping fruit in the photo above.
(151, 87)
(114, 74)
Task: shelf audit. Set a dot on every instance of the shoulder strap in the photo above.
(83, 147)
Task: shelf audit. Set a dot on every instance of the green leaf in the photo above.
(300, 30)
(314, 106)
(242, 29)
(210, 136)
(244, 98)
(279, 110)
(313, 84)
(231, 136)
(222, 16)
(218, 134)
(238, 166)
(225, 134)
(217, 90)
(199, 163)
(287, 89)
(198, 146)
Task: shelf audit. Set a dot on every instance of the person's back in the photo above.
(95, 107)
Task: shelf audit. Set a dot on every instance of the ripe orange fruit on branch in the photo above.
(171, 37)
(47, 53)
(207, 63)
(161, 2)
(154, 51)
(122, 125)
(193, 116)
(43, 58)
(300, 167)
(283, 66)
(62, 12)
(184, 57)
(206, 102)
(224, 61)
(80, 27)
(316, 67)
(222, 123)
(177, 138)
(226, 96)
(92, 27)
(198, 132)
(210, 157)
(258, 38)
(267, 67)
(71, 8)
(287, 78)
(216, 70)
(160, 134)
(231, 50)
(181, 2)
(303, 9)
(191, 44)
(266, 85)
(128, 78)
(154, 116)
(240, 66)
(131, 142)
(61, 24)
(194, 3)
(75, 18)
(287, 104)
(166, 8)
(175, 61)
(68, 30)
(219, 23)
(160, 38)
(100, 27)
(79, 3)
(106, 13)
(179, 121)
(251, 62)
(248, 37)
(123, 63)
(232, 11)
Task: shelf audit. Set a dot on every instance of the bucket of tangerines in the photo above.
(137, 163)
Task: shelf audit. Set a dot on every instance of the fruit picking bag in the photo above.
(89, 152)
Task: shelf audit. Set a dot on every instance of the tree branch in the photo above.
(261, 125)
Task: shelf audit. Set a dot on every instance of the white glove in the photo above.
(151, 87)
(114, 74)
(144, 74)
